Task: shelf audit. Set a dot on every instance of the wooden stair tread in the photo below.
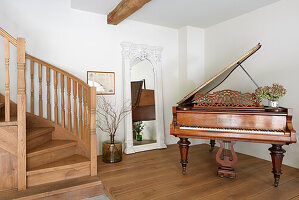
(52, 189)
(35, 132)
(13, 121)
(72, 161)
(50, 146)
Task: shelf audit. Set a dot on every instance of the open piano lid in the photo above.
(219, 78)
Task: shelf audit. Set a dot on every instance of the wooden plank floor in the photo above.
(157, 175)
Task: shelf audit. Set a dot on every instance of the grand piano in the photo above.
(229, 116)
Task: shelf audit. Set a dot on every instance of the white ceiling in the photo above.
(179, 13)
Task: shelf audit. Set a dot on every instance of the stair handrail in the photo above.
(30, 57)
(10, 38)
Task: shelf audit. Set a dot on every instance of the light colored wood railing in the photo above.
(77, 108)
(75, 103)
(21, 113)
(19, 43)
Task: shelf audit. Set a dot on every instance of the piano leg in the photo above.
(184, 147)
(277, 155)
(212, 145)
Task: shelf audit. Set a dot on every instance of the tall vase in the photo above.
(273, 104)
(112, 152)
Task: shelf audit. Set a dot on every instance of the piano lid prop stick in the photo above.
(249, 76)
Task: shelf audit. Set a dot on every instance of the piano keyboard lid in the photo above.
(219, 78)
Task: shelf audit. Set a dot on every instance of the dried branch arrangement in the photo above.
(109, 116)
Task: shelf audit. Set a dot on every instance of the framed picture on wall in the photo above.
(103, 81)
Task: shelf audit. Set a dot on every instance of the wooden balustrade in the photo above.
(76, 89)
(19, 43)
(80, 119)
(79, 103)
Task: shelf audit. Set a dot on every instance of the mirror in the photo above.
(143, 90)
(143, 103)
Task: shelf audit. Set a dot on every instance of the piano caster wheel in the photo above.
(184, 171)
(276, 181)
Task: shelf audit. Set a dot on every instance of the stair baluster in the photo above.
(80, 111)
(7, 87)
(85, 124)
(69, 104)
(48, 94)
(32, 85)
(40, 92)
(55, 98)
(75, 108)
(62, 101)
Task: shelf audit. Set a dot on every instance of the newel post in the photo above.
(92, 131)
(21, 112)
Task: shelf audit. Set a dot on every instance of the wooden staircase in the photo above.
(55, 160)
(45, 146)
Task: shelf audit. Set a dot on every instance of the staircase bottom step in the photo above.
(68, 168)
(74, 189)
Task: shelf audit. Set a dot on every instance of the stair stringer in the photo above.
(59, 133)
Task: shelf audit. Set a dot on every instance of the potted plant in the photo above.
(137, 129)
(109, 117)
(271, 93)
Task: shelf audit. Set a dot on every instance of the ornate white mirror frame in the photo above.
(132, 54)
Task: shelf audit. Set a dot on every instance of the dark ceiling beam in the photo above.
(124, 9)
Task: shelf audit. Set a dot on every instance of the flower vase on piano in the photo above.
(271, 93)
(229, 116)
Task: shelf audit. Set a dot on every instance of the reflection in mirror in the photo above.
(143, 103)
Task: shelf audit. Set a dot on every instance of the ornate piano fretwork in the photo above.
(227, 98)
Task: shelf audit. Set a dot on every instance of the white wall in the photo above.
(78, 41)
(191, 59)
(276, 28)
(191, 62)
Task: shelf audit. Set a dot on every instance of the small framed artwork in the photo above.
(103, 81)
